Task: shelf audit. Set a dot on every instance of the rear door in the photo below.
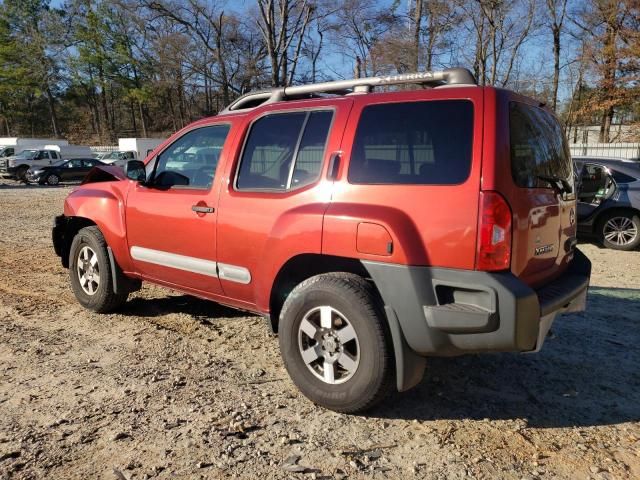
(544, 215)
(272, 207)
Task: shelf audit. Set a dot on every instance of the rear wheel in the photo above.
(334, 342)
(91, 274)
(53, 179)
(620, 230)
(21, 173)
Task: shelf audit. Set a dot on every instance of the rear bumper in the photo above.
(452, 312)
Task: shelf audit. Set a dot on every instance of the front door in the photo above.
(171, 218)
(595, 185)
(72, 171)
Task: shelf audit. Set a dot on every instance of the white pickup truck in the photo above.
(16, 166)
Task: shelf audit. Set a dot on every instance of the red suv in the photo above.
(371, 229)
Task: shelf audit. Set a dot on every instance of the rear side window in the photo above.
(284, 151)
(413, 143)
(620, 177)
(538, 147)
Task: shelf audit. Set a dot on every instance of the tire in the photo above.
(96, 295)
(351, 383)
(21, 174)
(620, 230)
(53, 179)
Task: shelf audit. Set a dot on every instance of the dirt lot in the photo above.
(175, 387)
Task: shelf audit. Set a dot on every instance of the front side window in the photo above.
(413, 143)
(192, 159)
(74, 164)
(538, 147)
(284, 151)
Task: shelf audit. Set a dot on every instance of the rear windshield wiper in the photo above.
(559, 184)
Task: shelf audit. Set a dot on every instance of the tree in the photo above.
(610, 35)
(30, 52)
(283, 24)
(498, 29)
(556, 10)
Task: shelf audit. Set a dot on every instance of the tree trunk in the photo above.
(52, 112)
(133, 118)
(417, 23)
(106, 133)
(284, 54)
(556, 66)
(142, 121)
(608, 87)
(221, 62)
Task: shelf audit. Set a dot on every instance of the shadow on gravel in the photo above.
(587, 374)
(204, 310)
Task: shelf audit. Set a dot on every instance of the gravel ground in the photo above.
(176, 387)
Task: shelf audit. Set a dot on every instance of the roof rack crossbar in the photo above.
(449, 76)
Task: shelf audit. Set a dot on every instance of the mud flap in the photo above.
(409, 365)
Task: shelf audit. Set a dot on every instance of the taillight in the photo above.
(494, 233)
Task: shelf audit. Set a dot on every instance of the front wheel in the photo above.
(21, 174)
(91, 275)
(53, 179)
(620, 230)
(335, 343)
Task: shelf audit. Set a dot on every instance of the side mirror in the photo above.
(134, 170)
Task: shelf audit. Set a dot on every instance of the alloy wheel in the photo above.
(88, 270)
(328, 344)
(620, 231)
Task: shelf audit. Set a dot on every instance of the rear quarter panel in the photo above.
(429, 224)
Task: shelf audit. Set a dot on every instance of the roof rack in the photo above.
(449, 76)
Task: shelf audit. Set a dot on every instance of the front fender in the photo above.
(103, 204)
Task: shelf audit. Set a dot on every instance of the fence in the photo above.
(620, 150)
(104, 148)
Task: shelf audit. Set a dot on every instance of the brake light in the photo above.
(494, 233)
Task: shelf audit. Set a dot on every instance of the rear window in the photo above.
(413, 143)
(538, 147)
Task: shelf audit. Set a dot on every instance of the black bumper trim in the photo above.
(452, 312)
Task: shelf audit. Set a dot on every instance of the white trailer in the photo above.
(141, 146)
(12, 145)
(71, 151)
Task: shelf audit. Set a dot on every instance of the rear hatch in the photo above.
(537, 181)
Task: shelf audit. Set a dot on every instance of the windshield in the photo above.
(27, 154)
(59, 163)
(111, 156)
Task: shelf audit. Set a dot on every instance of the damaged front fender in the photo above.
(104, 173)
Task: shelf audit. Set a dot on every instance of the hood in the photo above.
(104, 173)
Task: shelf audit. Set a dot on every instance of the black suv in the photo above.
(609, 200)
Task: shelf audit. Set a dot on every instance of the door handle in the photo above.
(202, 209)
